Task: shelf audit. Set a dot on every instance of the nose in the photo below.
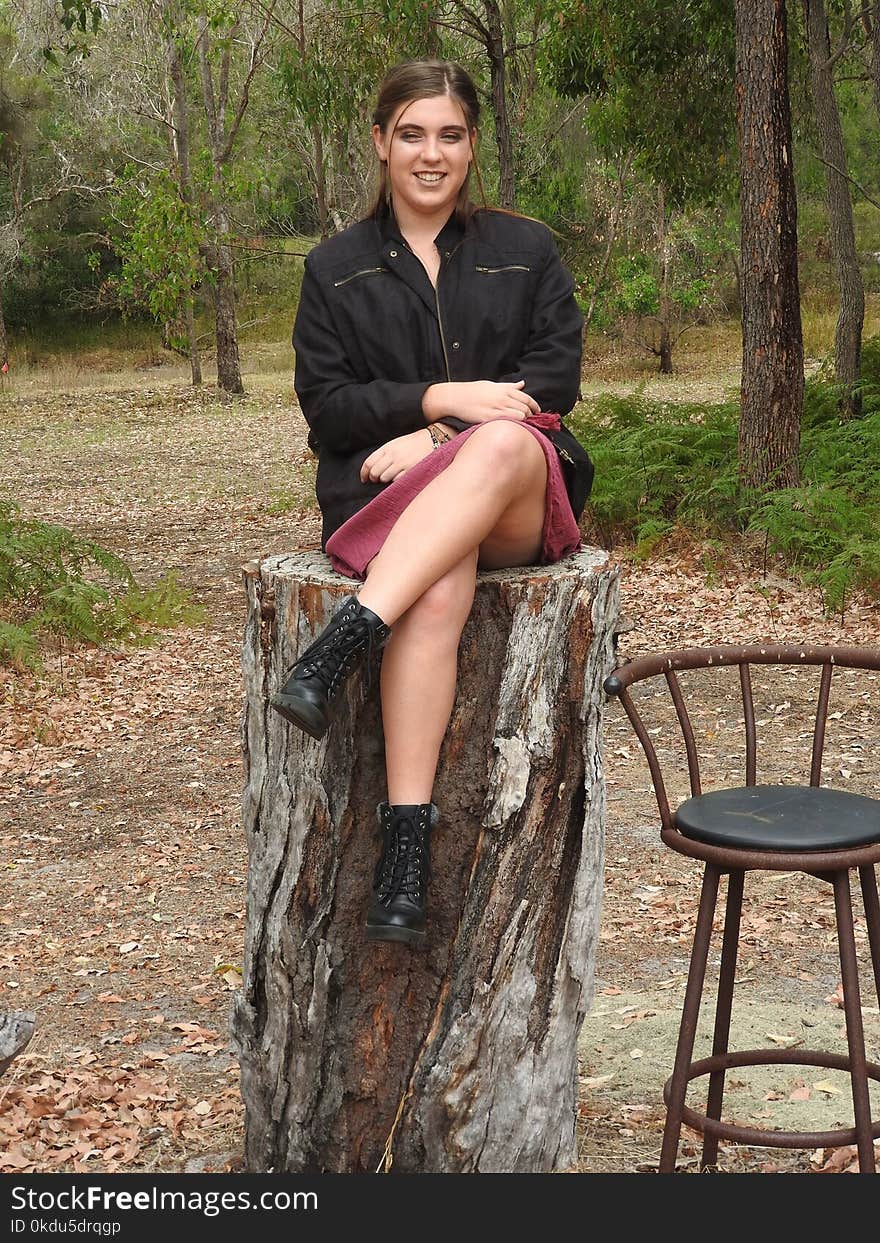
(431, 147)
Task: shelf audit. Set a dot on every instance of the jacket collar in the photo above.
(447, 239)
(400, 260)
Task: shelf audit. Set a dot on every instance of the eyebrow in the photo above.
(460, 129)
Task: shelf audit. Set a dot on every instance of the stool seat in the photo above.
(780, 817)
(809, 829)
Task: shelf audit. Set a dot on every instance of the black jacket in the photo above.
(372, 334)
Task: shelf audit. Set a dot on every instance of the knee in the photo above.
(444, 607)
(509, 450)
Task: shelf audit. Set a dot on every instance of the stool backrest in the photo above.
(669, 663)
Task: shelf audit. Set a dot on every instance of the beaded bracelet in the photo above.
(436, 437)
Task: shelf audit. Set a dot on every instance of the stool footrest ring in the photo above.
(762, 1136)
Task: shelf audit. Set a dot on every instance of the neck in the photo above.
(417, 227)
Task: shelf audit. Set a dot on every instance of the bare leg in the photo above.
(419, 673)
(420, 663)
(491, 496)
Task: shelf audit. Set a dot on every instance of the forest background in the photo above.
(165, 166)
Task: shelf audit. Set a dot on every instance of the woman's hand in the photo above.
(393, 459)
(479, 401)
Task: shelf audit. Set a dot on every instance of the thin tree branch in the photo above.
(256, 61)
(861, 189)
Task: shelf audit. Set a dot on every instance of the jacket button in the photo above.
(456, 345)
(393, 254)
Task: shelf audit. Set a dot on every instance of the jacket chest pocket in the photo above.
(503, 292)
(355, 276)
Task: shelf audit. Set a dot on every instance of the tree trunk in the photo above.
(611, 229)
(16, 1029)
(851, 315)
(228, 364)
(320, 181)
(4, 340)
(498, 74)
(460, 1057)
(665, 304)
(875, 54)
(773, 352)
(180, 146)
(220, 143)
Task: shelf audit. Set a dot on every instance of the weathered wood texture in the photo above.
(772, 391)
(460, 1056)
(16, 1029)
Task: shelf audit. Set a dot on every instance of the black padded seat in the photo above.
(780, 817)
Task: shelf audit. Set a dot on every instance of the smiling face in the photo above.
(428, 154)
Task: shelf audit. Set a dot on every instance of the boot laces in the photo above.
(399, 872)
(331, 656)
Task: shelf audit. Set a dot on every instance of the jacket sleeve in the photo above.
(345, 414)
(550, 362)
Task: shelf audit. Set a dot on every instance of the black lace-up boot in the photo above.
(306, 698)
(397, 912)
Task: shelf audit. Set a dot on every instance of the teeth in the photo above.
(429, 176)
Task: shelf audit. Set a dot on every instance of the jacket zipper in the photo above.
(510, 267)
(437, 304)
(442, 335)
(440, 317)
(354, 275)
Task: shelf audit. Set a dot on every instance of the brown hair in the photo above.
(425, 79)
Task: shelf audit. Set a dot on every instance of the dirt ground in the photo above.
(122, 903)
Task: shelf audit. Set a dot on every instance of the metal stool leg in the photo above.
(868, 880)
(855, 1036)
(723, 1007)
(688, 1029)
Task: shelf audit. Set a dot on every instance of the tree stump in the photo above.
(461, 1055)
(16, 1029)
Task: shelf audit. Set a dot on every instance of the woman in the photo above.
(435, 343)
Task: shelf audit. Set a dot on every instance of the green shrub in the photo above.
(662, 468)
(53, 582)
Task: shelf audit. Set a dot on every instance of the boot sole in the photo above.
(301, 714)
(408, 936)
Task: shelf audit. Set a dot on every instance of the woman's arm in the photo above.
(550, 362)
(344, 413)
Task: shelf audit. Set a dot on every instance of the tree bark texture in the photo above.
(180, 152)
(498, 77)
(665, 350)
(460, 1056)
(221, 140)
(773, 352)
(16, 1029)
(851, 312)
(4, 340)
(875, 54)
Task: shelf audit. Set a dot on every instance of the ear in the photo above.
(380, 144)
(473, 137)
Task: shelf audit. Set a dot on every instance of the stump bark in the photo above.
(16, 1029)
(461, 1056)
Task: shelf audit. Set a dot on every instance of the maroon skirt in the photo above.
(353, 546)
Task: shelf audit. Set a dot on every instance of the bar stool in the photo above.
(782, 828)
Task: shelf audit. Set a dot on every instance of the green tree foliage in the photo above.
(661, 82)
(159, 240)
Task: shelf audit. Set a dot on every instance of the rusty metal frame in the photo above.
(832, 866)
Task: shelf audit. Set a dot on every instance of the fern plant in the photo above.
(662, 467)
(54, 582)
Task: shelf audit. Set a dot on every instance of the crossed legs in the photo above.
(485, 510)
